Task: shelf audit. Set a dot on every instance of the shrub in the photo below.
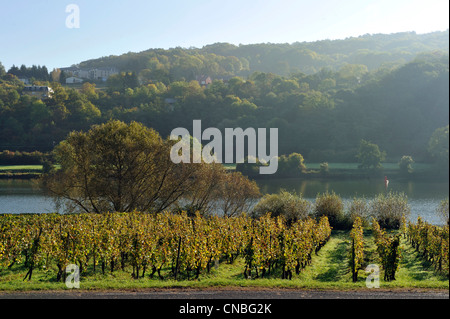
(405, 165)
(292, 165)
(290, 205)
(331, 206)
(389, 209)
(324, 169)
(358, 208)
(249, 169)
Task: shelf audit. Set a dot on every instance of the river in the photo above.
(22, 196)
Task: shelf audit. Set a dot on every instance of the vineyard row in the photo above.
(149, 243)
(431, 241)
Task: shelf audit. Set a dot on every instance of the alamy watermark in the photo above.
(73, 278)
(373, 279)
(234, 153)
(73, 19)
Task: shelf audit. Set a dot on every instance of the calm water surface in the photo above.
(23, 196)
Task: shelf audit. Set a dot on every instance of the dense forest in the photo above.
(324, 97)
(222, 60)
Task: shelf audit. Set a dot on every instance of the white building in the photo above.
(84, 74)
(102, 73)
(38, 91)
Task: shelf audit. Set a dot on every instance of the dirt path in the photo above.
(247, 293)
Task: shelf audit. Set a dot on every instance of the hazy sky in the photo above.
(35, 32)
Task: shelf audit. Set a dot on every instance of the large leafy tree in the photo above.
(369, 155)
(238, 194)
(119, 167)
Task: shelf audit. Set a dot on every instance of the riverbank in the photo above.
(336, 171)
(351, 171)
(20, 171)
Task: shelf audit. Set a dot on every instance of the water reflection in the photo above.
(23, 197)
(356, 188)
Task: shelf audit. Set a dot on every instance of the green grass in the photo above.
(329, 270)
(351, 168)
(418, 167)
(354, 166)
(17, 170)
(21, 168)
(230, 167)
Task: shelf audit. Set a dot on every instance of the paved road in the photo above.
(231, 294)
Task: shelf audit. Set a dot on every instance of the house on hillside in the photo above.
(204, 80)
(41, 92)
(84, 74)
(25, 80)
(102, 73)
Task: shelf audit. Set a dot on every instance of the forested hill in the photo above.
(391, 90)
(223, 59)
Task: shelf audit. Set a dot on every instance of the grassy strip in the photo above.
(21, 171)
(331, 166)
(21, 168)
(329, 270)
(354, 166)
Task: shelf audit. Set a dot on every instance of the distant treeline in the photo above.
(23, 158)
(226, 60)
(34, 72)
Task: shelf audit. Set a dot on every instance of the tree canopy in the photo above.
(369, 155)
(119, 167)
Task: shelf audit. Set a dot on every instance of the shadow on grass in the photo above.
(418, 267)
(336, 260)
(275, 273)
(370, 249)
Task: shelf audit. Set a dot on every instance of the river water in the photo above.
(23, 196)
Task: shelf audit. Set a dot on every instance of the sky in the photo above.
(41, 32)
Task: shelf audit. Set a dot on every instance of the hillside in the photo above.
(223, 60)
